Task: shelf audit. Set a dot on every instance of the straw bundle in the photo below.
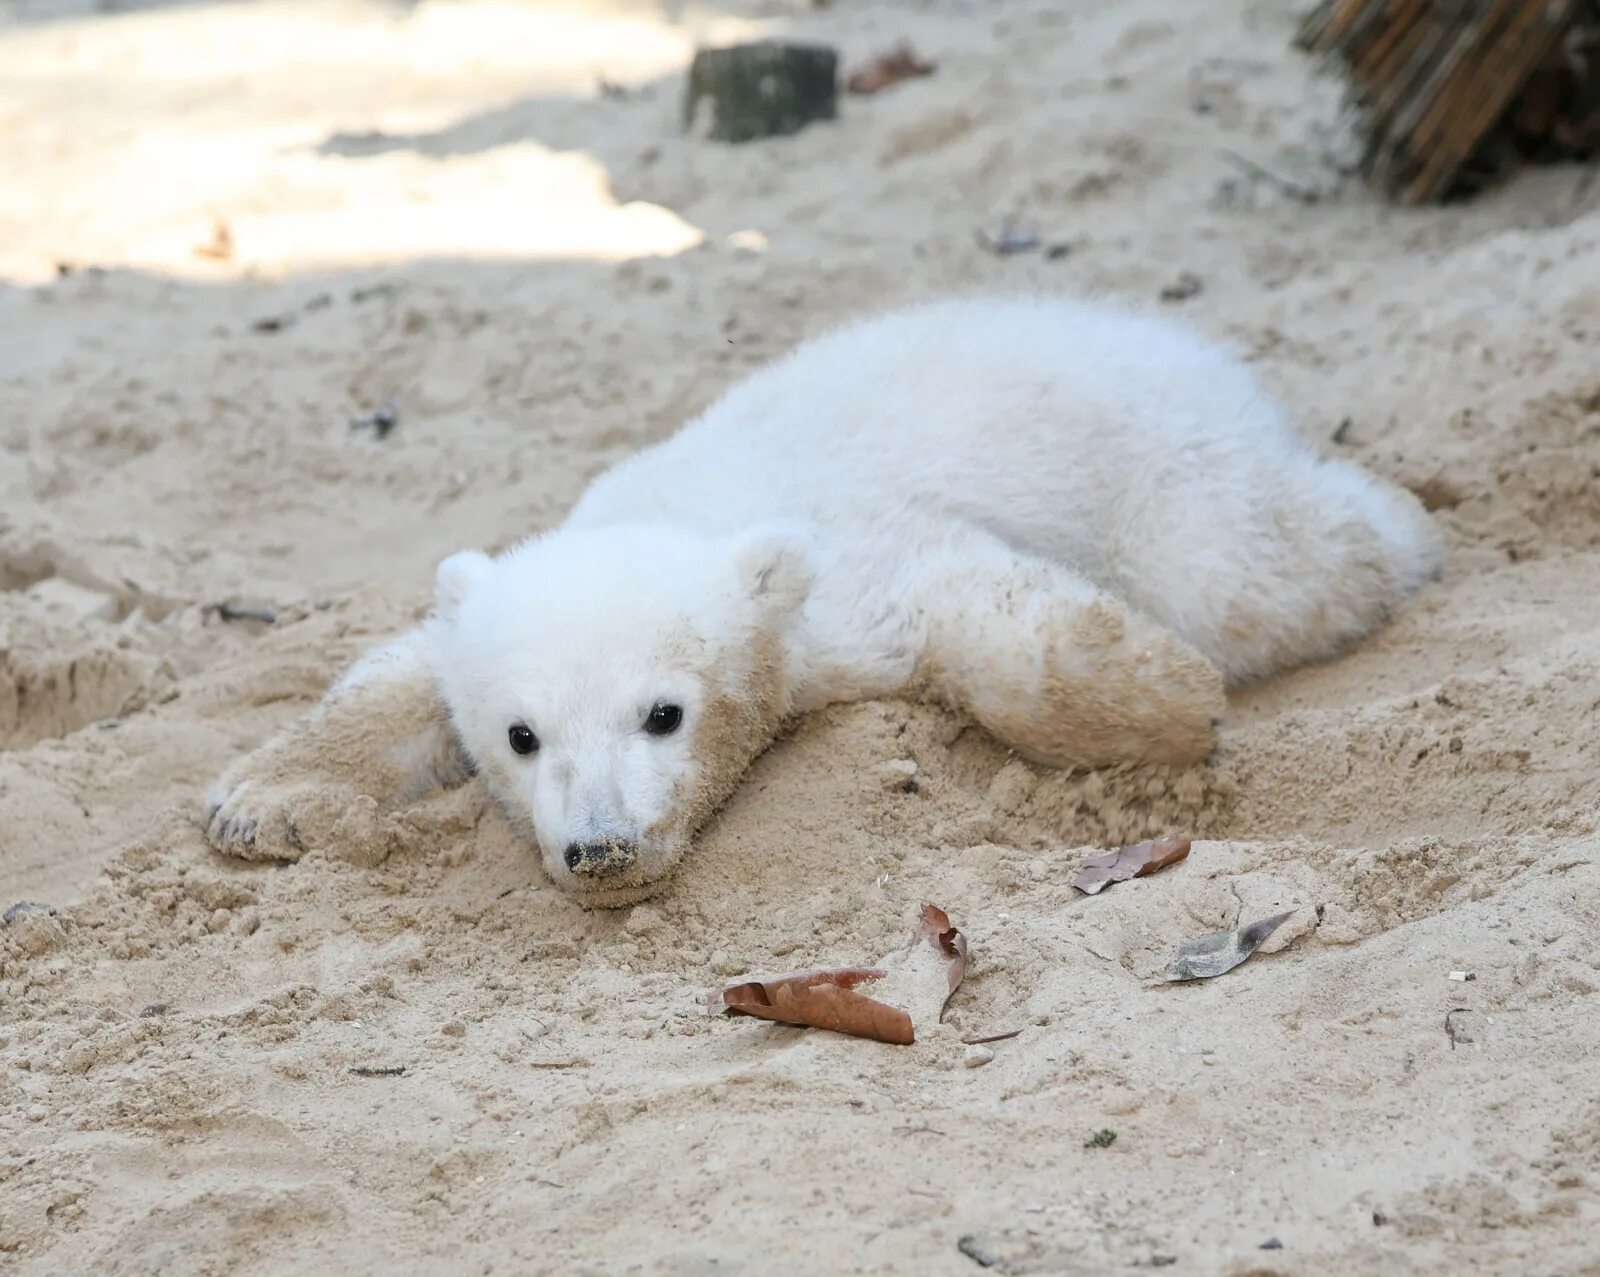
(1451, 91)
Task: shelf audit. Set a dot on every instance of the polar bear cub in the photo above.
(1074, 524)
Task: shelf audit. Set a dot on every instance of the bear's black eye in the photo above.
(523, 741)
(663, 720)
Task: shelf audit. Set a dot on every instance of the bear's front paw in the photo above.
(258, 819)
(253, 819)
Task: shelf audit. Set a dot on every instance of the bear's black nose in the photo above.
(600, 859)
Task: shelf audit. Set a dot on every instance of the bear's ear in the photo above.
(776, 564)
(455, 579)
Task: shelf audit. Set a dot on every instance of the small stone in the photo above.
(37, 933)
(1187, 285)
(73, 603)
(1463, 975)
(454, 1029)
(642, 920)
(80, 1057)
(725, 964)
(898, 776)
(977, 1056)
(37, 1113)
(24, 907)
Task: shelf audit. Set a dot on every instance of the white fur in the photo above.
(1037, 510)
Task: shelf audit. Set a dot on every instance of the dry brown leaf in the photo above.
(900, 63)
(220, 246)
(828, 998)
(1099, 872)
(822, 1000)
(938, 931)
(1222, 950)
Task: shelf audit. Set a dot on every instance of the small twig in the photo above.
(1290, 190)
(390, 1070)
(558, 1064)
(381, 421)
(980, 1254)
(991, 1037)
(228, 612)
(924, 1129)
(1012, 239)
(1450, 1031)
(359, 295)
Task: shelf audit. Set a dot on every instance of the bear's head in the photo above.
(612, 685)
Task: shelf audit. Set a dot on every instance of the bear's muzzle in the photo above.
(601, 859)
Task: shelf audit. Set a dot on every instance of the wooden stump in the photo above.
(764, 89)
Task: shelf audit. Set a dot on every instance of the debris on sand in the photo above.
(1454, 1029)
(762, 89)
(984, 1038)
(1013, 237)
(1451, 96)
(1222, 951)
(917, 982)
(381, 421)
(219, 248)
(23, 908)
(1187, 285)
(822, 1000)
(240, 612)
(1135, 861)
(887, 69)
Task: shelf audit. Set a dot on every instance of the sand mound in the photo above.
(200, 1059)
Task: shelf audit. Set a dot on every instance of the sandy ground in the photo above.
(484, 212)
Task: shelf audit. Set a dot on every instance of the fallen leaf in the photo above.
(918, 981)
(900, 63)
(220, 246)
(938, 931)
(1099, 872)
(822, 1000)
(1222, 950)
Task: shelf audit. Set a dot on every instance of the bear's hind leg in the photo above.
(380, 738)
(1060, 671)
